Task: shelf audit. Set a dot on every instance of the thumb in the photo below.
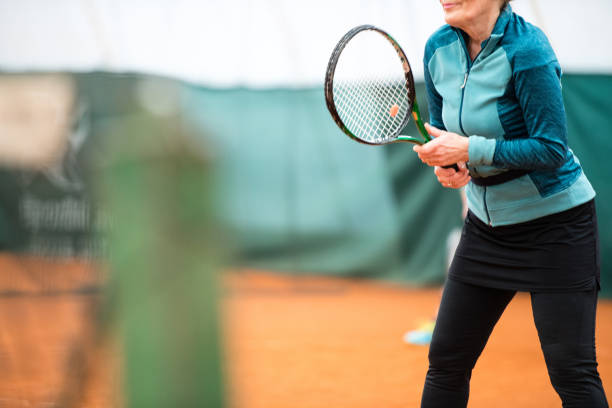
(432, 130)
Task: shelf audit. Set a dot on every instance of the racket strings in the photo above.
(360, 112)
(389, 122)
(356, 102)
(364, 105)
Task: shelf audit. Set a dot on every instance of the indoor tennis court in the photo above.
(184, 222)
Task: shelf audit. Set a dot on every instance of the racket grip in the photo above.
(451, 166)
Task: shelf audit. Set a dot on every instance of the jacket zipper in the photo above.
(465, 79)
(470, 63)
(467, 73)
(484, 198)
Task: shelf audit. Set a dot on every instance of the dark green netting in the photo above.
(301, 197)
(588, 103)
(298, 196)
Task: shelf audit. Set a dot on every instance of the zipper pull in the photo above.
(464, 80)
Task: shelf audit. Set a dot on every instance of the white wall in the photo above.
(256, 43)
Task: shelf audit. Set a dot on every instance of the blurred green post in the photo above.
(164, 262)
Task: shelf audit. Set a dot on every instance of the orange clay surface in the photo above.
(45, 329)
(332, 343)
(291, 342)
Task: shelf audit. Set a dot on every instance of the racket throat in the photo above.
(410, 139)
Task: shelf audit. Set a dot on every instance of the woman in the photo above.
(496, 110)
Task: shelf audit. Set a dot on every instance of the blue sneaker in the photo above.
(422, 335)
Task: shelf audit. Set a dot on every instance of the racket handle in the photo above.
(451, 166)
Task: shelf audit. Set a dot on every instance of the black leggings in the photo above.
(467, 315)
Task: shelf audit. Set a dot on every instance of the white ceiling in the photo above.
(259, 43)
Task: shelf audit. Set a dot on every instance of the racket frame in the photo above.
(413, 108)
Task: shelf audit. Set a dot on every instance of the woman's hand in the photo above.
(445, 149)
(451, 178)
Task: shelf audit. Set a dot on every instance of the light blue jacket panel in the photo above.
(508, 102)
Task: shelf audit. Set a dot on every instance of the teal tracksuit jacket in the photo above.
(508, 102)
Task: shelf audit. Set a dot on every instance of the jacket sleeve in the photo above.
(538, 91)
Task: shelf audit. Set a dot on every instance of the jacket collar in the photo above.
(500, 27)
(497, 34)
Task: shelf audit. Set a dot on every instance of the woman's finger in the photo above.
(432, 130)
(444, 172)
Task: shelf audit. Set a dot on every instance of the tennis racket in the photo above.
(369, 89)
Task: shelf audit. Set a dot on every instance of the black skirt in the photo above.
(555, 253)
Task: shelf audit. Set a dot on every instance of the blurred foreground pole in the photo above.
(163, 252)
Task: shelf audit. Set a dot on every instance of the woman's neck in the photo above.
(479, 28)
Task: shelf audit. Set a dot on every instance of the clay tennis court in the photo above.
(291, 342)
(318, 342)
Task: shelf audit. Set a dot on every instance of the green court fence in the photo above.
(295, 195)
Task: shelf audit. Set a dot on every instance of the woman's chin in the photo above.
(451, 19)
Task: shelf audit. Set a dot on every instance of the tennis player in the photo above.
(493, 83)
